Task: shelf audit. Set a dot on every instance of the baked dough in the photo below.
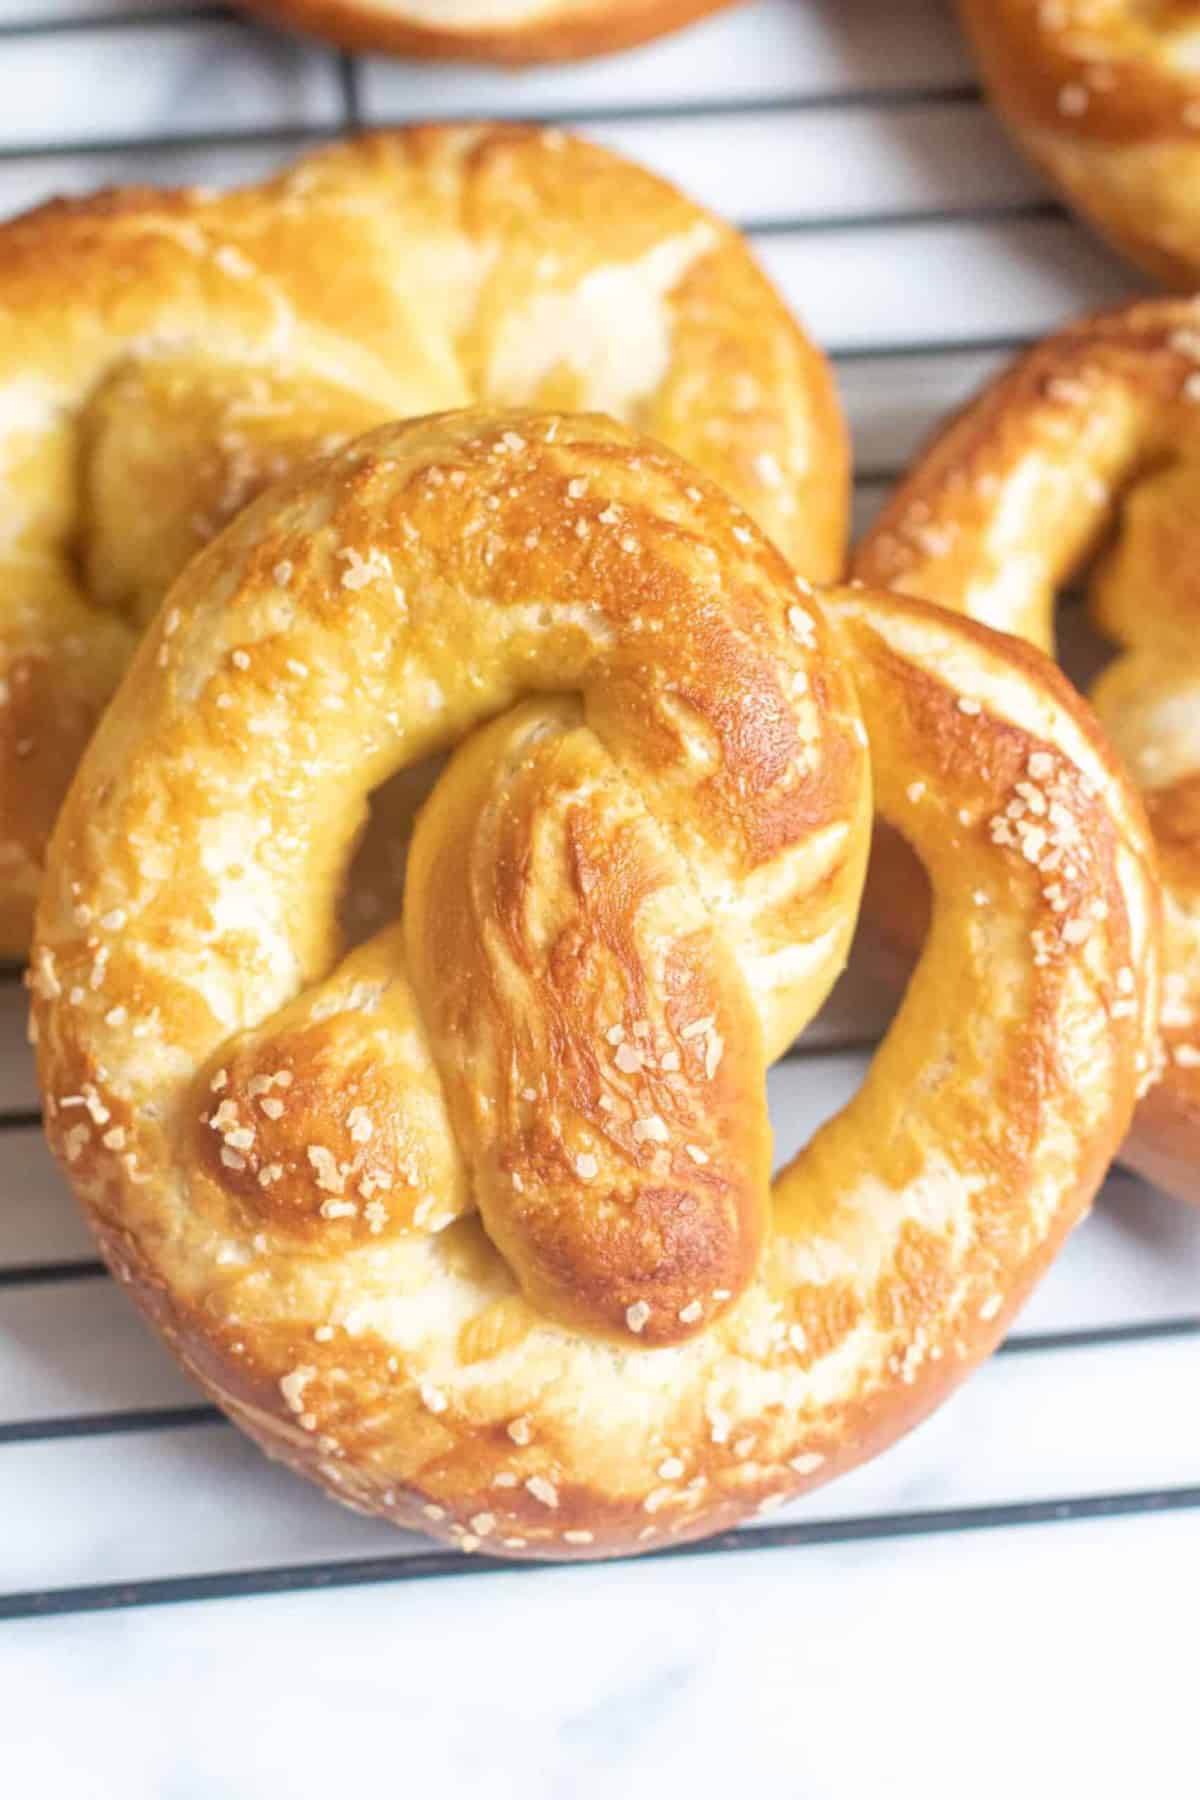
(164, 356)
(475, 1225)
(1088, 448)
(501, 31)
(1104, 95)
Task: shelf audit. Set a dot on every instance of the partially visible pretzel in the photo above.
(500, 31)
(1091, 443)
(1105, 96)
(163, 356)
(475, 1226)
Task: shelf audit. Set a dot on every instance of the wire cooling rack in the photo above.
(849, 139)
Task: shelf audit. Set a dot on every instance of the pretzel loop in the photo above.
(1084, 459)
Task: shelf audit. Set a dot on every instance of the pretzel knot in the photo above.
(1091, 443)
(474, 1224)
(192, 347)
(1105, 96)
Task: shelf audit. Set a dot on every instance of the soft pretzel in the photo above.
(162, 356)
(474, 1226)
(1105, 97)
(1091, 444)
(501, 31)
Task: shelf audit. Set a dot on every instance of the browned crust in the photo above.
(573, 31)
(1118, 132)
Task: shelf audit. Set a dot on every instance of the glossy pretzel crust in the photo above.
(1105, 96)
(475, 1226)
(1089, 446)
(165, 355)
(535, 32)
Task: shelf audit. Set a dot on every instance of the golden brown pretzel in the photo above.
(1091, 443)
(475, 1225)
(501, 31)
(1105, 96)
(162, 356)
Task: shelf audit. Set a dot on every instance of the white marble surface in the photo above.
(1044, 1662)
(1040, 1659)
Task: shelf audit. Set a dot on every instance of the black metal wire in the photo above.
(992, 344)
(348, 85)
(1004, 212)
(117, 21)
(425, 1566)
(21, 1119)
(42, 1274)
(111, 1424)
(300, 136)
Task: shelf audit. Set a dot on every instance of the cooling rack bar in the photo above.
(713, 107)
(151, 144)
(40, 1274)
(248, 136)
(173, 1418)
(993, 212)
(297, 136)
(119, 21)
(111, 1424)
(20, 1120)
(894, 351)
(348, 84)
(1090, 1337)
(372, 1571)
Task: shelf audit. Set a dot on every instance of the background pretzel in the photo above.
(502, 31)
(1105, 97)
(163, 356)
(1091, 444)
(474, 1225)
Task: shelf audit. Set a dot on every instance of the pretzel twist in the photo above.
(1105, 96)
(1089, 446)
(499, 31)
(474, 1225)
(194, 347)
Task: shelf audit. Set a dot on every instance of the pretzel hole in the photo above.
(373, 891)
